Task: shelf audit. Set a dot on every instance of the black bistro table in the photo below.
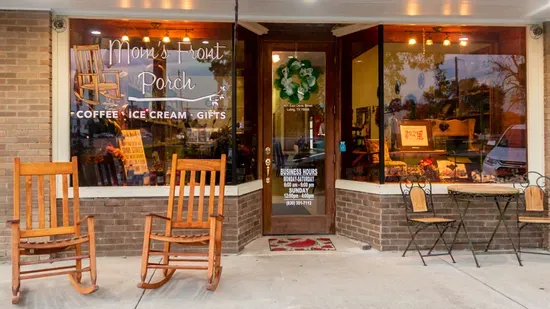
(470, 194)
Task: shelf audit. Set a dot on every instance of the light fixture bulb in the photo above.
(412, 41)
(205, 42)
(96, 32)
(447, 41)
(166, 38)
(125, 38)
(463, 43)
(146, 39)
(429, 41)
(186, 39)
(276, 58)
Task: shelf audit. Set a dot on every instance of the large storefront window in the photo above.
(454, 105)
(145, 90)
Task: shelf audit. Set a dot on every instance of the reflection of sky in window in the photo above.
(469, 66)
(131, 84)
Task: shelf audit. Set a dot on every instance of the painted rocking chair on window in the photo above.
(91, 77)
(67, 234)
(202, 225)
(535, 195)
(417, 195)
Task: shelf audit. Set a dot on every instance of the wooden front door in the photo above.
(298, 137)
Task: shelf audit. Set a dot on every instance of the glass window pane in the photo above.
(455, 102)
(298, 178)
(144, 91)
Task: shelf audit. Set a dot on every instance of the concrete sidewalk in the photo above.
(347, 278)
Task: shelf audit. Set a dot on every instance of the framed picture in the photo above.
(362, 116)
(415, 135)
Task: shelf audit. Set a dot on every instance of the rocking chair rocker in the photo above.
(195, 218)
(91, 77)
(21, 238)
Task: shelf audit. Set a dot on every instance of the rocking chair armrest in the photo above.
(159, 216)
(85, 218)
(12, 221)
(218, 217)
(112, 71)
(87, 74)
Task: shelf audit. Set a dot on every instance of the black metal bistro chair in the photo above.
(420, 214)
(534, 191)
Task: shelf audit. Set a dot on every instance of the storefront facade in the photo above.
(314, 144)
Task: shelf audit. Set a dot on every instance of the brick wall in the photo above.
(363, 216)
(25, 100)
(358, 216)
(249, 214)
(119, 222)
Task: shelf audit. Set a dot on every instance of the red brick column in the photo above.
(25, 100)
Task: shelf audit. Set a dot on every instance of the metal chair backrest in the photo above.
(417, 194)
(196, 214)
(88, 63)
(534, 189)
(40, 171)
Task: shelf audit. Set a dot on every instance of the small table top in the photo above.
(482, 190)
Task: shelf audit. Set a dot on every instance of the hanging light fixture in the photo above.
(95, 32)
(166, 38)
(447, 41)
(146, 38)
(125, 37)
(412, 41)
(463, 41)
(429, 41)
(186, 38)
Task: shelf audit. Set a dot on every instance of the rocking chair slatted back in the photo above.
(195, 168)
(534, 199)
(40, 171)
(88, 63)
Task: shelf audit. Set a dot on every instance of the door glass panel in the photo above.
(298, 118)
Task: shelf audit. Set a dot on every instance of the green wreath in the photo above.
(294, 91)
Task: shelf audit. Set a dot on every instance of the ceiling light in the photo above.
(96, 32)
(463, 41)
(125, 38)
(429, 41)
(276, 58)
(146, 39)
(166, 38)
(412, 41)
(205, 42)
(186, 39)
(447, 41)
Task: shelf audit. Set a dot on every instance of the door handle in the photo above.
(268, 170)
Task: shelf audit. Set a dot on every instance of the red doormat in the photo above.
(301, 244)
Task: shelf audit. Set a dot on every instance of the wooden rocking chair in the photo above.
(211, 225)
(22, 243)
(91, 77)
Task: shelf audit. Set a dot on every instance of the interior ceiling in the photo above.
(341, 11)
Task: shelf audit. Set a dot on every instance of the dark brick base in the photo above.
(119, 222)
(380, 221)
